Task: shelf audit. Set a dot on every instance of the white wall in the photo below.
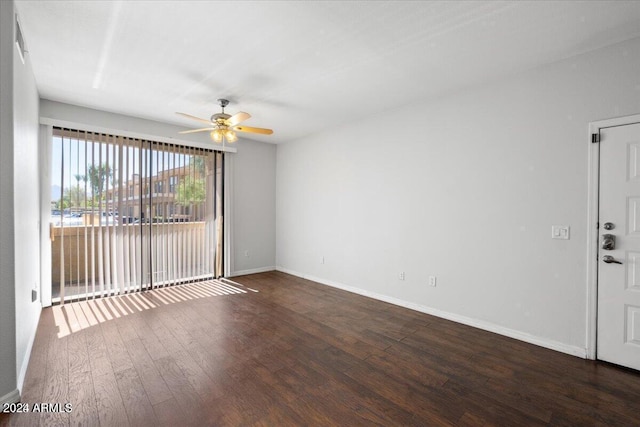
(19, 273)
(8, 382)
(253, 179)
(26, 200)
(464, 188)
(254, 208)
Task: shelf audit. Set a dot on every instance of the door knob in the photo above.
(610, 260)
(608, 242)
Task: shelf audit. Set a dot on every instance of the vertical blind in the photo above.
(130, 214)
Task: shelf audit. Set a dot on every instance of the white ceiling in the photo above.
(298, 67)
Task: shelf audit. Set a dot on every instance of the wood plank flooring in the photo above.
(285, 351)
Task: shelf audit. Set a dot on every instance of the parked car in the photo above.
(69, 219)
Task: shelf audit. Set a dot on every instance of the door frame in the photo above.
(593, 189)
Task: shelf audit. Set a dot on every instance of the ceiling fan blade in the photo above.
(253, 130)
(237, 118)
(189, 116)
(197, 130)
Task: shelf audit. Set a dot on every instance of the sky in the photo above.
(71, 157)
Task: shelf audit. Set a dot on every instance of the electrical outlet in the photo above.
(401, 275)
(322, 260)
(432, 281)
(34, 295)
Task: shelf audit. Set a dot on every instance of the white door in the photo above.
(619, 246)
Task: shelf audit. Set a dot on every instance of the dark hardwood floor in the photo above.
(286, 351)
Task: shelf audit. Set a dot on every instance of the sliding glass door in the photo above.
(130, 214)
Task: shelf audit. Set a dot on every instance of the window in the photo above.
(173, 183)
(109, 239)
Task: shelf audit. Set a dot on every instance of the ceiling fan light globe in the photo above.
(216, 136)
(231, 136)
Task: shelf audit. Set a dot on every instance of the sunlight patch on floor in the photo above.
(76, 316)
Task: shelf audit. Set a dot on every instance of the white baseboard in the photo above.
(252, 271)
(13, 397)
(27, 355)
(480, 324)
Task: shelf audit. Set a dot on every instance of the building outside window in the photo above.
(173, 183)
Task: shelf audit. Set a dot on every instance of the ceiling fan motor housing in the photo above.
(218, 117)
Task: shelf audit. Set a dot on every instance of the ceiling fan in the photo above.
(223, 127)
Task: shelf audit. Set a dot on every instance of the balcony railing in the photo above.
(117, 258)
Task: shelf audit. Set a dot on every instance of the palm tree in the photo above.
(98, 176)
(76, 192)
(74, 196)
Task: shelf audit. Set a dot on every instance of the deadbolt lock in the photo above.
(608, 242)
(609, 226)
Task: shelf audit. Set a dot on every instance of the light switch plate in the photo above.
(560, 232)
